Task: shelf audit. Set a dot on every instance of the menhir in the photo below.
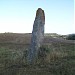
(37, 36)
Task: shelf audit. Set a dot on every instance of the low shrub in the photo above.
(71, 37)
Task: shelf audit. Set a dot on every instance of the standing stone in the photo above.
(37, 36)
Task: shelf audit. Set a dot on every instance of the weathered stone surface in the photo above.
(37, 36)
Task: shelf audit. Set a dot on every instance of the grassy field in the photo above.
(58, 57)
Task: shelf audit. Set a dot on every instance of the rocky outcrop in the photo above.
(37, 36)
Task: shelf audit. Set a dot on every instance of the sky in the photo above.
(18, 16)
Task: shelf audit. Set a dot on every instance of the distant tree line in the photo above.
(71, 37)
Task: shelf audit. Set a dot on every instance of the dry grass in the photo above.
(59, 56)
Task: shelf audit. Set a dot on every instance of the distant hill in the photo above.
(25, 38)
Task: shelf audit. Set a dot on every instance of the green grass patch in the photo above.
(55, 59)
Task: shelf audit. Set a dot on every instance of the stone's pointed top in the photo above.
(40, 13)
(39, 9)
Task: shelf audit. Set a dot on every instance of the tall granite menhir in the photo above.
(37, 36)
